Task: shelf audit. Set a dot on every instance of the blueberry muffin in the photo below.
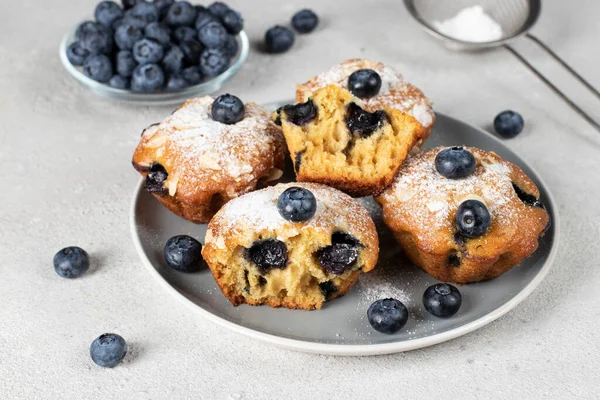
(334, 141)
(207, 153)
(378, 86)
(462, 214)
(293, 245)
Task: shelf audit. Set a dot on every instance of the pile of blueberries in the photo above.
(153, 46)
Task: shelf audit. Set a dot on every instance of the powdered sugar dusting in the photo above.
(395, 92)
(439, 197)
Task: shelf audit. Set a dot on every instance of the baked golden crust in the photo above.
(254, 217)
(209, 163)
(325, 151)
(420, 206)
(395, 92)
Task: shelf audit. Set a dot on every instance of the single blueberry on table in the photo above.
(192, 75)
(204, 18)
(127, 35)
(172, 62)
(192, 49)
(364, 83)
(147, 51)
(362, 122)
(455, 163)
(147, 78)
(98, 67)
(508, 124)
(233, 22)
(387, 315)
(227, 109)
(71, 262)
(218, 9)
(119, 82)
(108, 350)
(305, 21)
(98, 41)
(176, 82)
(212, 35)
(107, 12)
(268, 254)
(214, 62)
(125, 63)
(181, 13)
(183, 253)
(297, 204)
(146, 11)
(442, 300)
(279, 39)
(183, 33)
(472, 219)
(76, 54)
(159, 32)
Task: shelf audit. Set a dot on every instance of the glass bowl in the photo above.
(161, 98)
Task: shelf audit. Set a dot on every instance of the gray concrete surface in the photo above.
(66, 179)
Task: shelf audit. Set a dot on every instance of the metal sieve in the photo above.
(516, 17)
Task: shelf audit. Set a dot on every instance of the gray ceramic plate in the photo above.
(341, 327)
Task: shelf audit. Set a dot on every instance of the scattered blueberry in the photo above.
(183, 33)
(158, 32)
(192, 49)
(268, 254)
(173, 60)
(146, 11)
(214, 62)
(212, 35)
(227, 109)
(442, 300)
(176, 82)
(231, 46)
(147, 51)
(97, 41)
(455, 163)
(98, 67)
(279, 39)
(363, 122)
(233, 22)
(147, 78)
(305, 21)
(192, 75)
(472, 219)
(387, 315)
(107, 12)
(183, 253)
(71, 262)
(76, 54)
(119, 82)
(127, 35)
(204, 18)
(297, 204)
(181, 13)
(125, 63)
(108, 350)
(508, 124)
(218, 9)
(364, 83)
(157, 174)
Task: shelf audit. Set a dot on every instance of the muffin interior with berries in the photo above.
(463, 214)
(208, 152)
(157, 46)
(293, 245)
(333, 140)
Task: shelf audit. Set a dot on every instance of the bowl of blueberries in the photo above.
(159, 52)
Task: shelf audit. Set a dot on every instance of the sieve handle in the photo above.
(556, 90)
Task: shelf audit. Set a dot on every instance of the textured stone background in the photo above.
(66, 179)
